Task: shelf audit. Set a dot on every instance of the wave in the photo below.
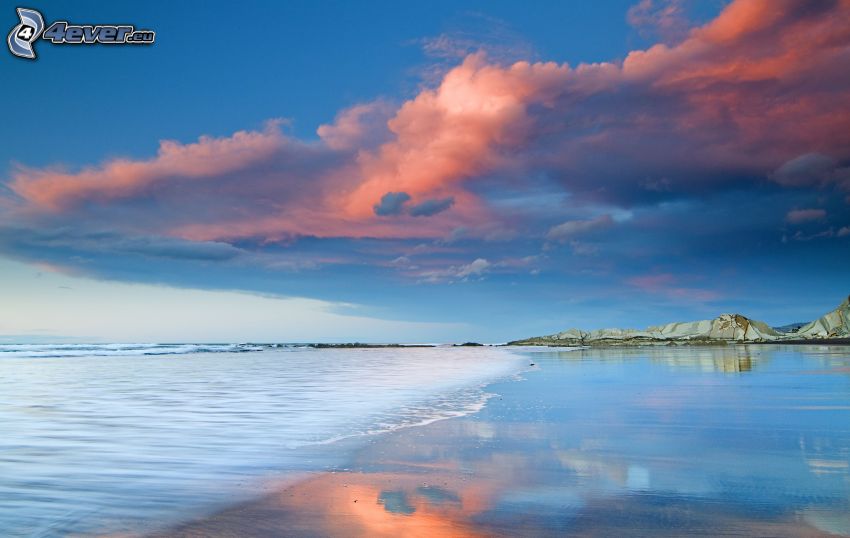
(107, 350)
(199, 432)
(459, 404)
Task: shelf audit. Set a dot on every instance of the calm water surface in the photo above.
(742, 440)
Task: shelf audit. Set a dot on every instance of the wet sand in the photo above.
(416, 498)
(539, 461)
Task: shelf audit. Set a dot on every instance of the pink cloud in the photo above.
(356, 127)
(666, 285)
(797, 216)
(53, 189)
(736, 100)
(652, 282)
(453, 133)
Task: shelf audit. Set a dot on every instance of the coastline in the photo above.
(137, 442)
(547, 343)
(527, 464)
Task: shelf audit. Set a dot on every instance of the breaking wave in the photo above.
(107, 350)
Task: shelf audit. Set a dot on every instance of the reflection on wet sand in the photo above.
(441, 491)
(626, 443)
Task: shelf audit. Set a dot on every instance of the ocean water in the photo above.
(31, 351)
(110, 438)
(747, 441)
(667, 441)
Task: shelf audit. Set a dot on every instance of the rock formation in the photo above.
(835, 324)
(722, 329)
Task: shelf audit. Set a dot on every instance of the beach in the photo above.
(425, 269)
(190, 441)
(733, 440)
(128, 439)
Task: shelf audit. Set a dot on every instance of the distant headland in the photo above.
(833, 327)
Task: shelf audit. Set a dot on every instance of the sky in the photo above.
(424, 172)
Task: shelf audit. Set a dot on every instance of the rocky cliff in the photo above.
(835, 324)
(724, 328)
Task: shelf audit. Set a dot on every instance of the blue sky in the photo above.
(551, 165)
(296, 60)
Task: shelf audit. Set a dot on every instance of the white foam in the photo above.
(124, 432)
(110, 350)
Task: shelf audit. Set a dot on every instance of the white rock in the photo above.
(833, 324)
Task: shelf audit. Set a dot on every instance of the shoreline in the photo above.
(509, 470)
(170, 437)
(680, 343)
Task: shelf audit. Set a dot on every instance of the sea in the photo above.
(108, 438)
(131, 438)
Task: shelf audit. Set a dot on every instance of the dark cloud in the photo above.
(23, 241)
(392, 203)
(805, 170)
(813, 170)
(431, 207)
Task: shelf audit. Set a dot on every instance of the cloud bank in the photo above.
(755, 104)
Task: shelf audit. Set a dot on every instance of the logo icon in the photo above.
(22, 36)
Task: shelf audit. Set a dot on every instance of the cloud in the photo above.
(22, 240)
(805, 170)
(53, 189)
(814, 170)
(823, 234)
(360, 126)
(843, 232)
(396, 203)
(663, 18)
(403, 261)
(473, 32)
(736, 97)
(652, 281)
(392, 203)
(667, 285)
(431, 207)
(450, 134)
(798, 216)
(258, 185)
(571, 228)
(736, 100)
(583, 249)
(167, 247)
(475, 269)
(753, 105)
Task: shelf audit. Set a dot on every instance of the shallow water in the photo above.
(735, 440)
(112, 438)
(692, 441)
(742, 436)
